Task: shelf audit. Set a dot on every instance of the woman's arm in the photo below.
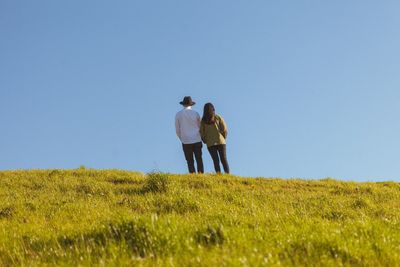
(222, 127)
(202, 132)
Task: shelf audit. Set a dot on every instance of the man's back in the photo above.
(187, 124)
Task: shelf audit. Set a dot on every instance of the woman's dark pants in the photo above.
(218, 152)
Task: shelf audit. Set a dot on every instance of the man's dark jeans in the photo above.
(189, 150)
(221, 151)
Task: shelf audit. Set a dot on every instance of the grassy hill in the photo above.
(120, 218)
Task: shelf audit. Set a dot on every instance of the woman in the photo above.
(213, 132)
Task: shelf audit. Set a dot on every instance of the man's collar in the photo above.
(189, 107)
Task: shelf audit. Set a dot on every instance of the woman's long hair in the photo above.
(209, 113)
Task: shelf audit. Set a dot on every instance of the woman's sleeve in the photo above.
(223, 128)
(202, 132)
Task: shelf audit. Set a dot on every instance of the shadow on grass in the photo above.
(139, 237)
(299, 252)
(210, 236)
(7, 212)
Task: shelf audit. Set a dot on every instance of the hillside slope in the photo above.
(120, 218)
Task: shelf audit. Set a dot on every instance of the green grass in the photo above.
(119, 218)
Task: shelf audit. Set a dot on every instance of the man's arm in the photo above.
(177, 127)
(198, 119)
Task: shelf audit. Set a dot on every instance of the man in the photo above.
(187, 124)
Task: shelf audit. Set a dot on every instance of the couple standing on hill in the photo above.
(192, 130)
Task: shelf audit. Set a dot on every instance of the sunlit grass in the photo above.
(118, 218)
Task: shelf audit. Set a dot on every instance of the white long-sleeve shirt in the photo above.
(187, 125)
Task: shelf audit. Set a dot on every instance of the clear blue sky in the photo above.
(308, 88)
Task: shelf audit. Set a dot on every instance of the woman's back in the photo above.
(214, 133)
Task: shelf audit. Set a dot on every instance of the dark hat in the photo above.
(187, 101)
